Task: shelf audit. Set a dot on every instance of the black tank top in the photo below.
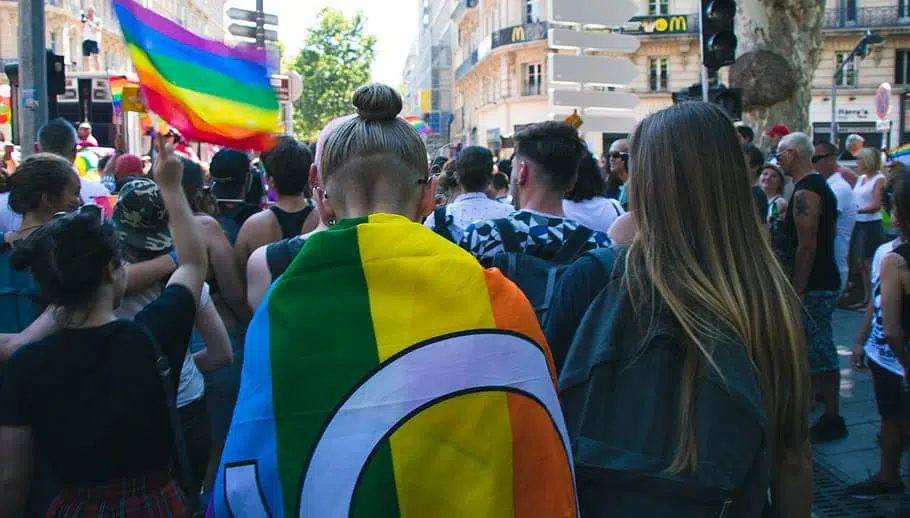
(904, 251)
(291, 222)
(825, 275)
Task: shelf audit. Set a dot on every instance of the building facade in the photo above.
(431, 72)
(64, 28)
(500, 58)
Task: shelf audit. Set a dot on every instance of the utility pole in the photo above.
(260, 25)
(32, 72)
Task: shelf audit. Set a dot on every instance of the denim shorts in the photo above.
(818, 308)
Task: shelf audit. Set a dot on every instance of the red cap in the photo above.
(127, 165)
(780, 130)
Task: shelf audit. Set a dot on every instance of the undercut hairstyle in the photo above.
(38, 175)
(590, 182)
(376, 131)
(58, 137)
(554, 148)
(288, 165)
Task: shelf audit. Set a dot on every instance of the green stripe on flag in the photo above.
(321, 345)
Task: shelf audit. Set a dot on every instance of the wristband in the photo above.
(173, 255)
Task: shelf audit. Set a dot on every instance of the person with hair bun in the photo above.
(369, 361)
(89, 396)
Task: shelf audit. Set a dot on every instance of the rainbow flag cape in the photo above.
(387, 374)
(208, 91)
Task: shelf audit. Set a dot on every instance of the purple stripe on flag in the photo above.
(169, 29)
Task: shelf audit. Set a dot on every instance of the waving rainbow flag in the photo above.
(208, 91)
(387, 374)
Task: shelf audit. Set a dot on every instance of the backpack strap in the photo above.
(188, 481)
(441, 223)
(508, 236)
(574, 245)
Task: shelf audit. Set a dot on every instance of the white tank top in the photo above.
(862, 193)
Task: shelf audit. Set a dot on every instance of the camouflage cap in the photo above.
(140, 217)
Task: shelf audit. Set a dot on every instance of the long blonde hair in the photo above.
(700, 253)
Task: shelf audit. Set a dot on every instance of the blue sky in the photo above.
(393, 22)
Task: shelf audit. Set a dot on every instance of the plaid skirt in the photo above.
(150, 496)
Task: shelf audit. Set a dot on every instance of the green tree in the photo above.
(335, 59)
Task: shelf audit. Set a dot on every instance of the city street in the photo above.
(841, 463)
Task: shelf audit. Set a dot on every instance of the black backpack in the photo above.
(619, 391)
(441, 223)
(535, 276)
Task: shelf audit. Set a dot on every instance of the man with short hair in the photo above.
(232, 179)
(543, 171)
(91, 40)
(86, 139)
(474, 173)
(825, 160)
(775, 134)
(854, 144)
(287, 169)
(58, 137)
(618, 162)
(811, 227)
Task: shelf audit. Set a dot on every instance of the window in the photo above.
(847, 10)
(532, 11)
(658, 80)
(533, 80)
(901, 64)
(53, 42)
(847, 76)
(903, 6)
(656, 7)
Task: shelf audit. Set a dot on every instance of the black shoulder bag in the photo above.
(185, 471)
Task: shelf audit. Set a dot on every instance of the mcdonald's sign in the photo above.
(519, 34)
(657, 25)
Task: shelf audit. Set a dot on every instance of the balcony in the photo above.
(865, 18)
(525, 33)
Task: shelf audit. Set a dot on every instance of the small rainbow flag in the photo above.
(5, 111)
(419, 124)
(419, 386)
(900, 151)
(208, 91)
(117, 84)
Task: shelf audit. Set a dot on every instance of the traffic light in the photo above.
(56, 74)
(718, 38)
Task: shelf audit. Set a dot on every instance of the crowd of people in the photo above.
(643, 333)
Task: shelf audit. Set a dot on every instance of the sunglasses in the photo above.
(617, 155)
(819, 158)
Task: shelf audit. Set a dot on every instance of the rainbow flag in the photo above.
(419, 124)
(208, 91)
(117, 84)
(387, 374)
(899, 151)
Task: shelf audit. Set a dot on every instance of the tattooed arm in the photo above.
(806, 212)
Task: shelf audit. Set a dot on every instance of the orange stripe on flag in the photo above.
(531, 425)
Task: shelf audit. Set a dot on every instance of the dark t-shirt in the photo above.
(825, 275)
(92, 396)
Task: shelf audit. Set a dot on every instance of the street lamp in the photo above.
(862, 49)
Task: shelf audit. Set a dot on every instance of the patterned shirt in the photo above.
(468, 208)
(541, 235)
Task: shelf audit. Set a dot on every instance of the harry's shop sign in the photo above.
(656, 25)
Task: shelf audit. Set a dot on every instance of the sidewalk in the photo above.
(855, 458)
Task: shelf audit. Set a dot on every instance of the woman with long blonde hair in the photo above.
(690, 364)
